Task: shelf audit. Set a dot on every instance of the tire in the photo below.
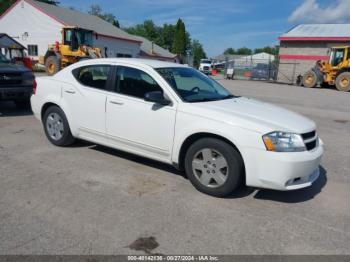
(56, 127)
(52, 65)
(310, 79)
(342, 82)
(221, 175)
(22, 104)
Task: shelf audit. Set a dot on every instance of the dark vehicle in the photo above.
(261, 71)
(16, 82)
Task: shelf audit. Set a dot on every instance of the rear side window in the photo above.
(134, 82)
(95, 76)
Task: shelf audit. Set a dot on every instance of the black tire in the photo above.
(310, 79)
(66, 136)
(23, 104)
(342, 82)
(235, 171)
(52, 65)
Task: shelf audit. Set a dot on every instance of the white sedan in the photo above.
(177, 115)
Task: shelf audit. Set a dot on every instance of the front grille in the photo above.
(206, 67)
(309, 135)
(311, 145)
(310, 140)
(8, 79)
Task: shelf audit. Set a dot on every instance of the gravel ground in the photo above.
(88, 199)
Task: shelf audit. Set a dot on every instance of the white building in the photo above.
(244, 61)
(37, 25)
(253, 60)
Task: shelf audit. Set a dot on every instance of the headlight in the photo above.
(284, 142)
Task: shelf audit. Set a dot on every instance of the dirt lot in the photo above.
(88, 199)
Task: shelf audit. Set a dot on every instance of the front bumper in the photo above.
(283, 171)
(15, 93)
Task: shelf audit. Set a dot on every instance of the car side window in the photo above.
(134, 82)
(95, 76)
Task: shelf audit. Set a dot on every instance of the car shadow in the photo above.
(138, 159)
(295, 196)
(242, 191)
(9, 109)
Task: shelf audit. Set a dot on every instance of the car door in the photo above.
(134, 124)
(86, 99)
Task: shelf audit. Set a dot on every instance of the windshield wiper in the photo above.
(228, 97)
(204, 99)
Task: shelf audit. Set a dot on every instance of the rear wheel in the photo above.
(214, 167)
(310, 79)
(56, 127)
(52, 65)
(342, 82)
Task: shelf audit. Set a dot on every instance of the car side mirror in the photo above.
(157, 97)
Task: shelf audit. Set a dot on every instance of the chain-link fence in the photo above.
(248, 68)
(289, 73)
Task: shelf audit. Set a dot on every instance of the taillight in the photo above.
(34, 86)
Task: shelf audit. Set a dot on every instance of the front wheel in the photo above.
(56, 127)
(310, 79)
(342, 82)
(214, 167)
(52, 65)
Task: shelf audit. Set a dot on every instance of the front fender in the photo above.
(188, 125)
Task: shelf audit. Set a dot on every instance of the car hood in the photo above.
(7, 68)
(254, 115)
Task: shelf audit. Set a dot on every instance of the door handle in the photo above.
(69, 91)
(116, 102)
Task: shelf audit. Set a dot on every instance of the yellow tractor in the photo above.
(336, 71)
(76, 45)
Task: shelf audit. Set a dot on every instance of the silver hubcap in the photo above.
(210, 168)
(54, 126)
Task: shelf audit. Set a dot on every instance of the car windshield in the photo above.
(193, 86)
(3, 59)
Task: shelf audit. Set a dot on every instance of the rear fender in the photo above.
(345, 69)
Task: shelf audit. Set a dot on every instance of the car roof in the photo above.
(136, 62)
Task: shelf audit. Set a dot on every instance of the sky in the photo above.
(219, 24)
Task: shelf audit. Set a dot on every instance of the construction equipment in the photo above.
(336, 71)
(76, 45)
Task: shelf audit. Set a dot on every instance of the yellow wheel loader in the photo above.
(336, 71)
(76, 45)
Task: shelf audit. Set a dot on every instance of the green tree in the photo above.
(5, 4)
(198, 52)
(244, 51)
(230, 51)
(179, 44)
(50, 2)
(166, 38)
(147, 29)
(273, 50)
(96, 10)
